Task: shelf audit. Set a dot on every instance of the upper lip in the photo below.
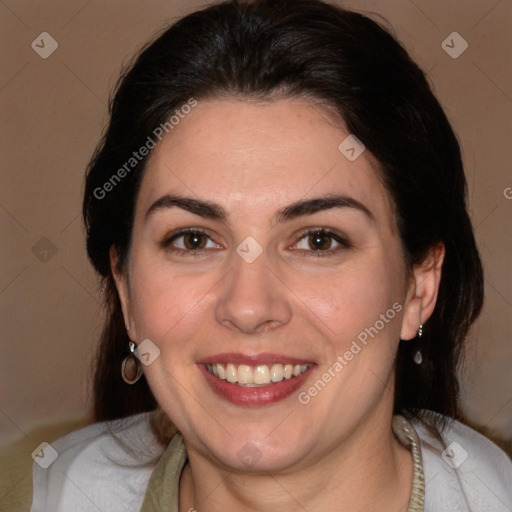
(252, 359)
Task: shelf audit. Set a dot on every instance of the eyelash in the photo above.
(166, 243)
(344, 243)
(341, 240)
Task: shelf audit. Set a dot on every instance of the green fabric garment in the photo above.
(163, 487)
(162, 491)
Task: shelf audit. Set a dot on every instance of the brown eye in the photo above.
(194, 241)
(189, 241)
(320, 241)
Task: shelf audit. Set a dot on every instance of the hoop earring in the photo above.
(418, 358)
(131, 370)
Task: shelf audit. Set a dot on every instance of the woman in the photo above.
(278, 213)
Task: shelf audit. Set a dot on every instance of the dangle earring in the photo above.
(418, 358)
(131, 370)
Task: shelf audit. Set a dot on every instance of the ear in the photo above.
(123, 290)
(422, 292)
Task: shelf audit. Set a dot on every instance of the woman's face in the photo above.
(292, 263)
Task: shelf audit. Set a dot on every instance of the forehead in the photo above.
(260, 156)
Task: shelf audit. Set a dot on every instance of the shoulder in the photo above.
(466, 471)
(105, 466)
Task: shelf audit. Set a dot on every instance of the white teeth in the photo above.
(276, 373)
(231, 373)
(261, 375)
(220, 370)
(245, 374)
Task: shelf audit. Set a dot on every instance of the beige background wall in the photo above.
(52, 113)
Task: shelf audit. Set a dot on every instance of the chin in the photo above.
(257, 450)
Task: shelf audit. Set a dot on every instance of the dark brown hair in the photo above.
(269, 49)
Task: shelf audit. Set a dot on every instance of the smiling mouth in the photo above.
(256, 376)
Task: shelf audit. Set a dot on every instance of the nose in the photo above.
(252, 299)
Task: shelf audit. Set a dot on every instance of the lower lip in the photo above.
(256, 396)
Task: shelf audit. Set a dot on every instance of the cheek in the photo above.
(346, 302)
(168, 307)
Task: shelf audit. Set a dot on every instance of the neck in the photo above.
(369, 470)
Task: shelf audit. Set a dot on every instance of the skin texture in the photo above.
(254, 159)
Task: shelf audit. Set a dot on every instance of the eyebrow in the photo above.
(210, 210)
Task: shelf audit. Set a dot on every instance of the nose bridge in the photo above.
(252, 298)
